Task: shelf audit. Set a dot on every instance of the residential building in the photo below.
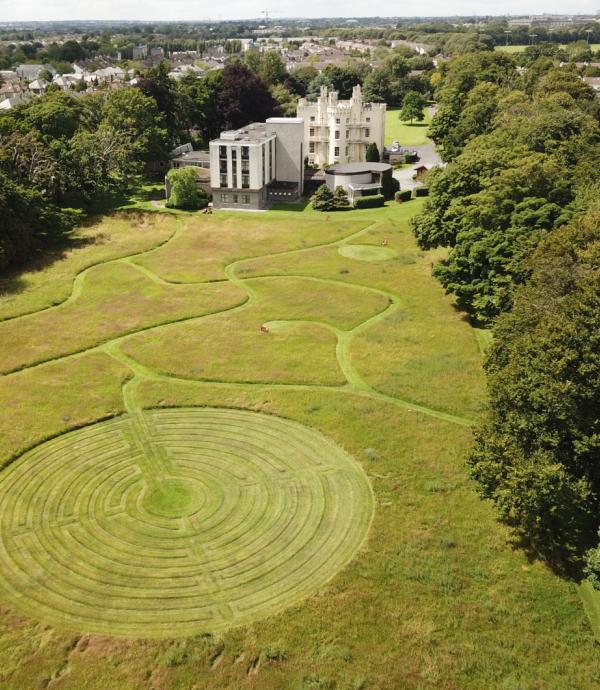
(339, 131)
(31, 72)
(8, 75)
(38, 86)
(259, 164)
(185, 155)
(140, 52)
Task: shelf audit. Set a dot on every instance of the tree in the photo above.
(505, 191)
(244, 97)
(272, 68)
(313, 90)
(46, 75)
(536, 454)
(200, 105)
(299, 79)
(344, 79)
(101, 161)
(288, 102)
(28, 222)
(372, 153)
(135, 115)
(185, 193)
(323, 199)
(54, 115)
(340, 199)
(412, 107)
(163, 90)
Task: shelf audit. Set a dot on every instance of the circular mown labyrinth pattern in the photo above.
(366, 252)
(170, 522)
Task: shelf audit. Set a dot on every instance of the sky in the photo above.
(26, 10)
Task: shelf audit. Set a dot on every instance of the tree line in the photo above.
(517, 206)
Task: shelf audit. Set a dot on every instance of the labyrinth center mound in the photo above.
(169, 522)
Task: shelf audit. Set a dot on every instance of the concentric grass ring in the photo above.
(171, 522)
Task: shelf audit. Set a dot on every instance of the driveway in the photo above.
(428, 157)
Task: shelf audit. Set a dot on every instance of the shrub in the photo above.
(185, 193)
(340, 199)
(404, 195)
(274, 652)
(323, 199)
(592, 566)
(369, 201)
(421, 191)
(372, 153)
(389, 184)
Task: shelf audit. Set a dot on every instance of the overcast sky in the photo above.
(17, 10)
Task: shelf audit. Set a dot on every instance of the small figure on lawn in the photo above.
(384, 243)
(264, 329)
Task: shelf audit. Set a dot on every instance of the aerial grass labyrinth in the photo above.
(170, 522)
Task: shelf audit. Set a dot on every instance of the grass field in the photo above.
(188, 501)
(520, 49)
(404, 132)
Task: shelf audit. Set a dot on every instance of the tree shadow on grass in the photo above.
(11, 281)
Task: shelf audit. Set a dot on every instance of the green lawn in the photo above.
(190, 501)
(520, 49)
(511, 49)
(404, 132)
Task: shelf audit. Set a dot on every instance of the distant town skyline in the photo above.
(156, 10)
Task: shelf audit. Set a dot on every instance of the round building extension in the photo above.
(358, 179)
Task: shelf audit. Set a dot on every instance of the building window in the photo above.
(245, 181)
(224, 197)
(223, 180)
(311, 132)
(337, 133)
(245, 198)
(367, 132)
(223, 152)
(312, 118)
(235, 198)
(347, 120)
(368, 119)
(337, 120)
(245, 153)
(223, 166)
(336, 151)
(347, 134)
(346, 151)
(233, 154)
(311, 146)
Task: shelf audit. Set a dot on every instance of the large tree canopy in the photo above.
(504, 191)
(244, 97)
(536, 456)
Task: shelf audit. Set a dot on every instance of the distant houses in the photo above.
(32, 72)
